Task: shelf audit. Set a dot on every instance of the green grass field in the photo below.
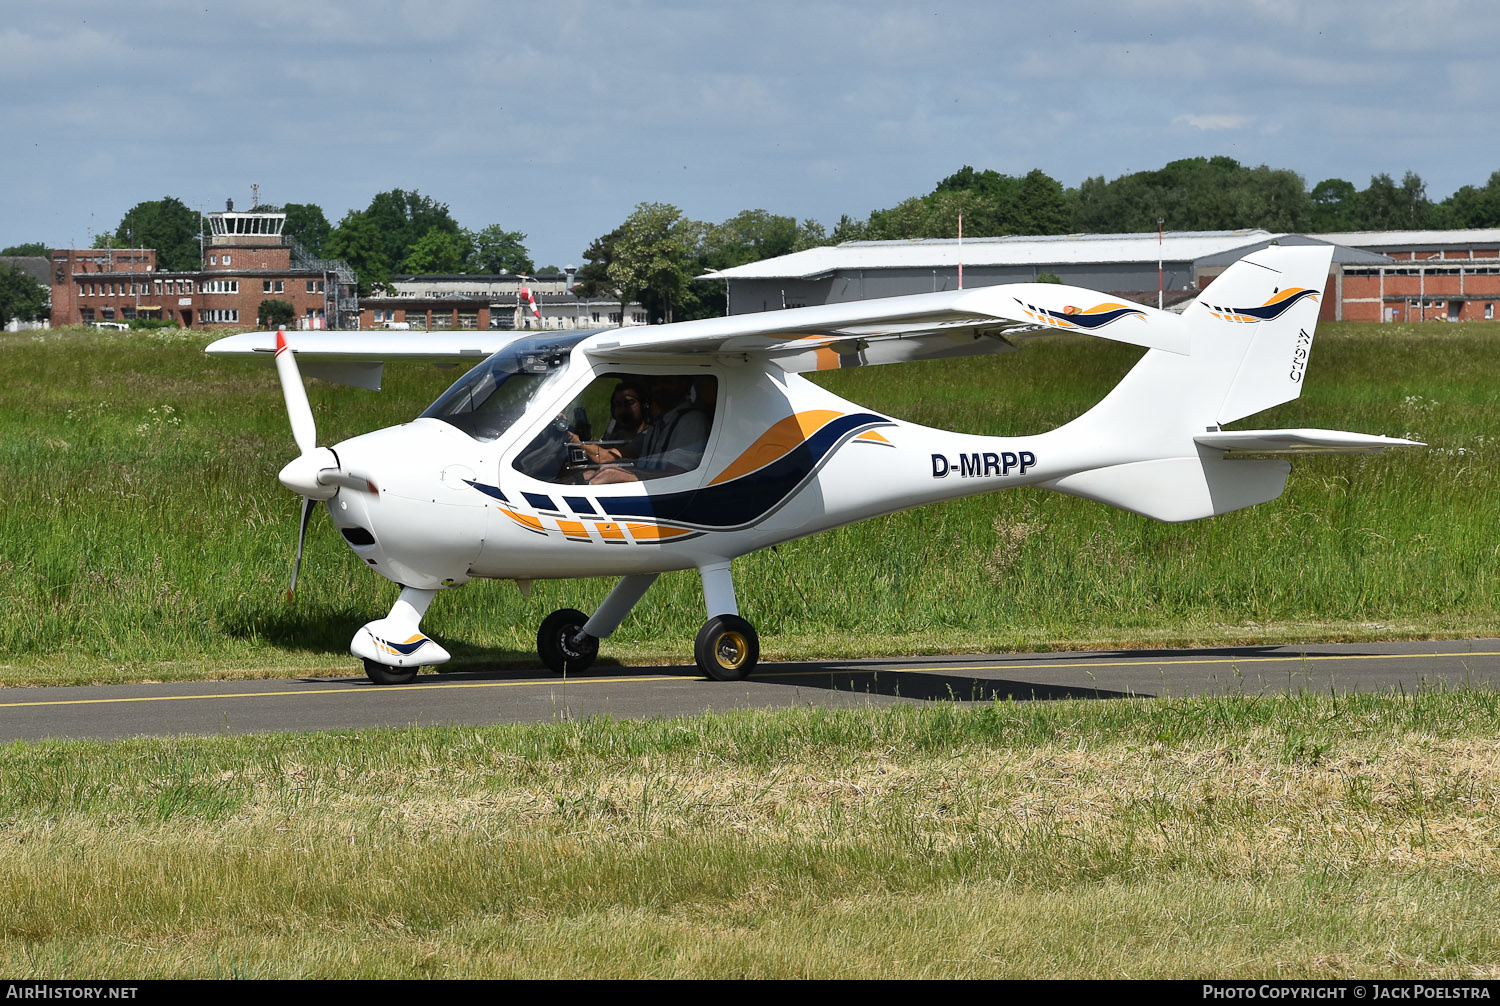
(1292, 836)
(143, 534)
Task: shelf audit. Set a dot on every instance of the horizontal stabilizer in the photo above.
(1300, 442)
(371, 346)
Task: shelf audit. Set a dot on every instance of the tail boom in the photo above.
(1251, 335)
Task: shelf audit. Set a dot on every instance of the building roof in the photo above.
(1418, 239)
(35, 266)
(922, 253)
(1342, 254)
(1204, 249)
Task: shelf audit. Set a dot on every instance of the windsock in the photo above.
(529, 300)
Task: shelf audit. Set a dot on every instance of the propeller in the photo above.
(307, 511)
(316, 473)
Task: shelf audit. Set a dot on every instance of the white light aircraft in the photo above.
(631, 452)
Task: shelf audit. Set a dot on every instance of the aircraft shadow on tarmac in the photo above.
(930, 686)
(925, 685)
(311, 628)
(1282, 650)
(601, 671)
(954, 685)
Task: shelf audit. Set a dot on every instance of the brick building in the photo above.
(103, 284)
(1428, 275)
(246, 260)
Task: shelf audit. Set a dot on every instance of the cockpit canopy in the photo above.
(489, 399)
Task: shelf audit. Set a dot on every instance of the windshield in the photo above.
(486, 401)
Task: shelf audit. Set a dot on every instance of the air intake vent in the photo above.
(357, 536)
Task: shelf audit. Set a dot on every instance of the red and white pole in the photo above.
(960, 251)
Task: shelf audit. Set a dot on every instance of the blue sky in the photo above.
(556, 119)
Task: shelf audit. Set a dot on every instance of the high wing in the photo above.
(828, 337)
(900, 329)
(357, 358)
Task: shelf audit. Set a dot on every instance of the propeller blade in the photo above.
(307, 510)
(304, 430)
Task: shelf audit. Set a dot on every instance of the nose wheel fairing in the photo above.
(397, 641)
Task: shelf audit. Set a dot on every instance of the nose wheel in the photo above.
(727, 648)
(384, 674)
(561, 643)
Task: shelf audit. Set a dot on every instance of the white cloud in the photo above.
(557, 120)
(1213, 123)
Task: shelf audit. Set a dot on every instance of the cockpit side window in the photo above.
(626, 427)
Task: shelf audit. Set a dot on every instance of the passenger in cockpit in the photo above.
(671, 443)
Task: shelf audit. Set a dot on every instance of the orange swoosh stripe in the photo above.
(521, 518)
(782, 438)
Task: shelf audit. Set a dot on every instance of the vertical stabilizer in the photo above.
(1269, 302)
(1251, 334)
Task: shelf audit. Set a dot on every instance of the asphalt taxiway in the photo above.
(522, 696)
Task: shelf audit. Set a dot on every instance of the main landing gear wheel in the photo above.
(555, 642)
(384, 674)
(727, 648)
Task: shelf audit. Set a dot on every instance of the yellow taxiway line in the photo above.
(962, 668)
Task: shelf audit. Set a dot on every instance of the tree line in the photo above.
(652, 256)
(1198, 193)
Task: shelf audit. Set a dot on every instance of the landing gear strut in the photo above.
(727, 647)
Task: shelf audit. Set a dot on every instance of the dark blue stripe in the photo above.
(1271, 311)
(1082, 320)
(489, 490)
(1096, 320)
(746, 499)
(406, 649)
(580, 504)
(539, 501)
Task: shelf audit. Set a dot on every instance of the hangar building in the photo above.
(1376, 276)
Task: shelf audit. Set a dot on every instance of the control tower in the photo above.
(253, 246)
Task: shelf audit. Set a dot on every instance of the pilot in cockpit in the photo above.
(671, 443)
(629, 406)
